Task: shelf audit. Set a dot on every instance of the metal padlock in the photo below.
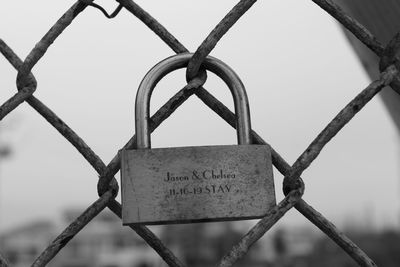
(195, 184)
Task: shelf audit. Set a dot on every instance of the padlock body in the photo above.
(196, 184)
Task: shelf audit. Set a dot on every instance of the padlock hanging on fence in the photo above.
(195, 184)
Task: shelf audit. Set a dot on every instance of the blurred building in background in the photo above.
(23, 244)
(103, 243)
(383, 247)
(106, 243)
(204, 244)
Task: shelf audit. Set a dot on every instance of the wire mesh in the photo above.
(293, 185)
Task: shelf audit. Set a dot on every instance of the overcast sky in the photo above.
(292, 57)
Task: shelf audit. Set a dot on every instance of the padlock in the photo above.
(195, 184)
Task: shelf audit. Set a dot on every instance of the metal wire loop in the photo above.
(109, 16)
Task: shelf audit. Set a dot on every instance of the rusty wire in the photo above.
(293, 185)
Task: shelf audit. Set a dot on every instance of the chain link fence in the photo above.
(293, 186)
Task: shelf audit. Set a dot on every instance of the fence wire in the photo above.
(293, 185)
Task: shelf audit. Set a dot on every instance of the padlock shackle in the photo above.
(146, 87)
